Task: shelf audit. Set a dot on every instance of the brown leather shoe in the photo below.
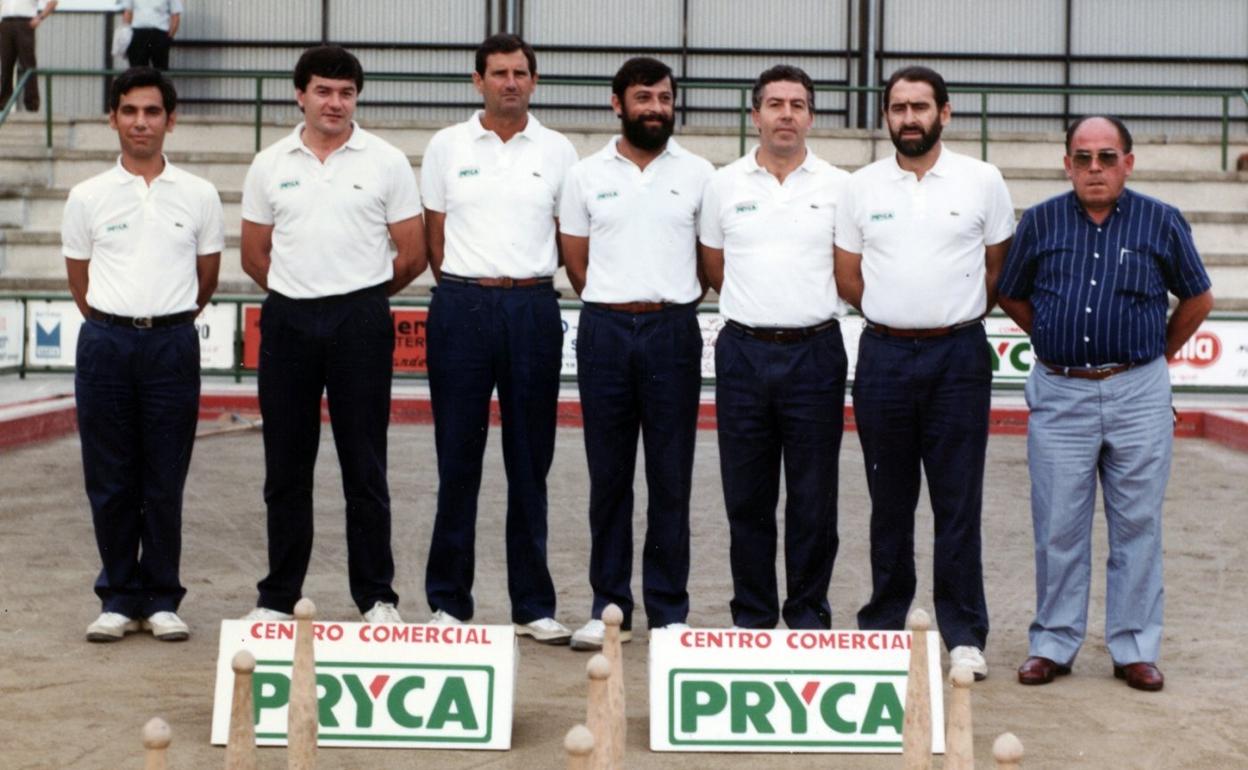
(1038, 670)
(1141, 676)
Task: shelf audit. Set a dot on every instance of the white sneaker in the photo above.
(266, 614)
(970, 657)
(443, 618)
(545, 630)
(675, 627)
(167, 627)
(111, 627)
(383, 612)
(589, 637)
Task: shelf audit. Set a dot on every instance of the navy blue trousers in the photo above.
(137, 392)
(780, 403)
(925, 402)
(640, 373)
(479, 338)
(342, 346)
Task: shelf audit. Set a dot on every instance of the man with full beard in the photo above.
(628, 227)
(920, 240)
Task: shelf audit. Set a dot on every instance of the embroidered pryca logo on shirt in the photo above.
(882, 216)
(602, 196)
(117, 227)
(746, 207)
(471, 171)
(288, 184)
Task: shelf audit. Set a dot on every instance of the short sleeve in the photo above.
(710, 228)
(998, 210)
(76, 228)
(210, 239)
(848, 233)
(403, 195)
(126, 5)
(175, 7)
(432, 178)
(1186, 275)
(256, 204)
(573, 214)
(1018, 275)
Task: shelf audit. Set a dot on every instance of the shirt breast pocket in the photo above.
(1139, 272)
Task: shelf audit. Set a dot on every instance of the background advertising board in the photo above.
(379, 685)
(53, 338)
(216, 327)
(785, 691)
(10, 333)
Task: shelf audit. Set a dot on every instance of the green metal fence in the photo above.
(1225, 96)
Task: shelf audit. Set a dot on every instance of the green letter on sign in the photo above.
(326, 703)
(699, 699)
(797, 711)
(453, 705)
(755, 713)
(829, 707)
(884, 710)
(363, 703)
(394, 704)
(278, 695)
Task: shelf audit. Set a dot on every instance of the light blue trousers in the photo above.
(1121, 430)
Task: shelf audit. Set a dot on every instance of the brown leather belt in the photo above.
(633, 307)
(141, 322)
(499, 283)
(941, 331)
(781, 334)
(1088, 373)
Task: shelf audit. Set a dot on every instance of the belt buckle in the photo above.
(142, 323)
(507, 282)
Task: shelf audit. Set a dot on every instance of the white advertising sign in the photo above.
(379, 685)
(216, 327)
(10, 333)
(785, 691)
(53, 339)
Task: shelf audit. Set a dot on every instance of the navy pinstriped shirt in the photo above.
(1099, 291)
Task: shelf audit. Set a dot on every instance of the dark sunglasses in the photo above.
(1107, 158)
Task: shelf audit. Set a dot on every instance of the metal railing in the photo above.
(1225, 96)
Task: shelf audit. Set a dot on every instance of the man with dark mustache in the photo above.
(920, 239)
(628, 225)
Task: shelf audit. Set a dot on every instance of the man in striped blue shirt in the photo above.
(1088, 276)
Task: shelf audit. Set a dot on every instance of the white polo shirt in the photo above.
(641, 224)
(330, 219)
(777, 241)
(142, 242)
(922, 241)
(500, 199)
(23, 8)
(152, 14)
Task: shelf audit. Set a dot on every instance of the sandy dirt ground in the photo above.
(65, 703)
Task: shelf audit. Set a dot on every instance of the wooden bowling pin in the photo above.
(916, 731)
(1007, 749)
(301, 720)
(959, 738)
(598, 714)
(579, 745)
(613, 618)
(240, 751)
(156, 739)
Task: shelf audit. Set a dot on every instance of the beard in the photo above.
(648, 137)
(914, 148)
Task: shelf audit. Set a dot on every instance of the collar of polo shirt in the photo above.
(939, 168)
(294, 140)
(167, 174)
(531, 127)
(751, 159)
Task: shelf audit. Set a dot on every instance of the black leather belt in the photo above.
(1088, 372)
(142, 322)
(781, 334)
(499, 283)
(941, 331)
